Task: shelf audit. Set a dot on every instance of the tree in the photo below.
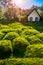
(8, 8)
(41, 14)
(39, 7)
(6, 4)
(10, 13)
(1, 14)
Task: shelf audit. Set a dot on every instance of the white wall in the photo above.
(34, 15)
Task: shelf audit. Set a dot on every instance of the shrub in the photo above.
(18, 30)
(5, 48)
(23, 61)
(33, 39)
(11, 35)
(33, 31)
(7, 30)
(29, 32)
(19, 46)
(1, 35)
(4, 26)
(15, 25)
(34, 51)
(40, 36)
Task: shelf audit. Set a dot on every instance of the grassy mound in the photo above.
(1, 35)
(11, 36)
(35, 50)
(34, 39)
(5, 48)
(40, 35)
(19, 46)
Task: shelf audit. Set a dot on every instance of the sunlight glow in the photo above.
(24, 3)
(17, 1)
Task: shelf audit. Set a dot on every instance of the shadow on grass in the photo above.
(36, 25)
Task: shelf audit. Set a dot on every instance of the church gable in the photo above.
(33, 15)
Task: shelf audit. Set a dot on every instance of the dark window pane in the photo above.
(36, 19)
(31, 18)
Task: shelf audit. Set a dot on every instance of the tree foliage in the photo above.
(1, 13)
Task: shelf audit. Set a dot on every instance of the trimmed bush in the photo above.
(40, 36)
(5, 48)
(23, 61)
(7, 30)
(19, 46)
(1, 35)
(34, 51)
(33, 39)
(16, 25)
(11, 36)
(18, 30)
(29, 32)
(4, 27)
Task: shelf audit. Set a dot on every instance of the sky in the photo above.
(25, 4)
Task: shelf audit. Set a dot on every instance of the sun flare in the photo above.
(17, 1)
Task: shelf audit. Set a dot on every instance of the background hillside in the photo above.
(20, 42)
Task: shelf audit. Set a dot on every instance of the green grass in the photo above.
(23, 40)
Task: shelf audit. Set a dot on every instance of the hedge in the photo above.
(7, 30)
(40, 36)
(11, 35)
(34, 51)
(1, 35)
(19, 46)
(33, 39)
(23, 61)
(29, 32)
(5, 48)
